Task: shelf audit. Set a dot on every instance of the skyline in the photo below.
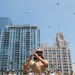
(51, 16)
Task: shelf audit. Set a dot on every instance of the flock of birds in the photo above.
(56, 3)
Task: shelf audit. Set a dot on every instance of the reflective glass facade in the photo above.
(16, 43)
(4, 21)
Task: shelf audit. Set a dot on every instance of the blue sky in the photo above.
(44, 13)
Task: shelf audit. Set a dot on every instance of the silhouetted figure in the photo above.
(48, 72)
(72, 73)
(7, 72)
(13, 72)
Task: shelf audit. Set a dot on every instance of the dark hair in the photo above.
(41, 57)
(36, 58)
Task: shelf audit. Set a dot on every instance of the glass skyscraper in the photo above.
(4, 21)
(16, 43)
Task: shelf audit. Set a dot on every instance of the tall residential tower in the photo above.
(16, 43)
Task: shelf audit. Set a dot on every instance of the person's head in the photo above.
(39, 51)
(71, 72)
(7, 71)
(48, 72)
(57, 70)
(13, 71)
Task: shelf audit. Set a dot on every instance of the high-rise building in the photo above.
(16, 43)
(73, 65)
(4, 21)
(58, 55)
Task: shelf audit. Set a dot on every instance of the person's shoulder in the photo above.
(74, 73)
(9, 74)
(46, 60)
(32, 61)
(53, 73)
(56, 73)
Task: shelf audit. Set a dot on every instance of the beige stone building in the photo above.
(58, 55)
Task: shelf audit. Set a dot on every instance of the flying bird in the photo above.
(57, 3)
(48, 26)
(58, 25)
(26, 12)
